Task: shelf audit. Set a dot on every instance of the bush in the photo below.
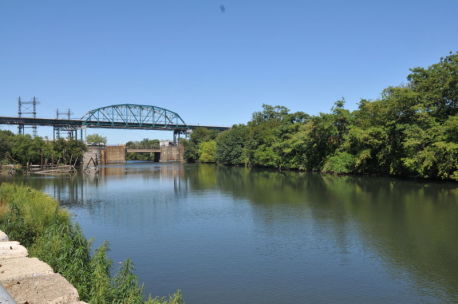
(230, 146)
(340, 163)
(207, 151)
(27, 213)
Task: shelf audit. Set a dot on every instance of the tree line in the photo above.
(411, 130)
(25, 149)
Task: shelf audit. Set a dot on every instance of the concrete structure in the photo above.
(97, 155)
(165, 142)
(115, 154)
(93, 157)
(130, 150)
(29, 280)
(172, 154)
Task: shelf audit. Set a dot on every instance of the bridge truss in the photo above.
(134, 116)
(121, 116)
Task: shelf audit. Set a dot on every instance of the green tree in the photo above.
(437, 86)
(69, 151)
(96, 139)
(411, 130)
(207, 151)
(230, 146)
(197, 136)
(6, 138)
(28, 150)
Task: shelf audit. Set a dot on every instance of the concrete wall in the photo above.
(115, 154)
(172, 154)
(97, 155)
(93, 157)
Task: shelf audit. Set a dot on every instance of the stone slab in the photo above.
(5, 297)
(53, 289)
(3, 237)
(21, 268)
(12, 250)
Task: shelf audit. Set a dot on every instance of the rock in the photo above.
(12, 250)
(3, 237)
(52, 288)
(21, 268)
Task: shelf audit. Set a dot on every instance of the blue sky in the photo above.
(211, 67)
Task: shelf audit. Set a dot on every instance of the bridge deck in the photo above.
(5, 120)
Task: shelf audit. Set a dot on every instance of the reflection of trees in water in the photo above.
(74, 192)
(77, 190)
(410, 224)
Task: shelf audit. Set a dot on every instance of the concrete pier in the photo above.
(99, 155)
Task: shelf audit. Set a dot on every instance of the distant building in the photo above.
(165, 143)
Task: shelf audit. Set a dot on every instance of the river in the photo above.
(234, 235)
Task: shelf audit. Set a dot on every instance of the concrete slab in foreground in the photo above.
(51, 288)
(20, 268)
(29, 280)
(12, 250)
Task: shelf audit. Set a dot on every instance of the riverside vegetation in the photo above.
(411, 130)
(25, 149)
(37, 221)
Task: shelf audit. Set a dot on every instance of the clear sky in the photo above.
(213, 67)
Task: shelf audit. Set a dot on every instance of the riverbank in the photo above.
(38, 223)
(410, 131)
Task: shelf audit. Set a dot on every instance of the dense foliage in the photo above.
(25, 149)
(96, 139)
(36, 220)
(193, 146)
(411, 130)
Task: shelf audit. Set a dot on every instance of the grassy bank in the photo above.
(36, 220)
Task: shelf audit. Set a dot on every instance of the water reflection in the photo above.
(408, 228)
(411, 224)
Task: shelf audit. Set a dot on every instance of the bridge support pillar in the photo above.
(20, 129)
(172, 153)
(177, 134)
(115, 154)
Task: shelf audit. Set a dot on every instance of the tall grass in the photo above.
(37, 221)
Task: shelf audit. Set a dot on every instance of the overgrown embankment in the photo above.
(27, 150)
(37, 221)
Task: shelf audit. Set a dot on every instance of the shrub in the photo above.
(340, 163)
(207, 151)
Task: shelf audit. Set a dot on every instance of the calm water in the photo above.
(231, 235)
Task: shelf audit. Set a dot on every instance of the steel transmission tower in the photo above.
(72, 132)
(27, 108)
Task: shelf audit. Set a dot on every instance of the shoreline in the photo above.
(37, 222)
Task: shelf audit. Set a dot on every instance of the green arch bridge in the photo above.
(121, 116)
